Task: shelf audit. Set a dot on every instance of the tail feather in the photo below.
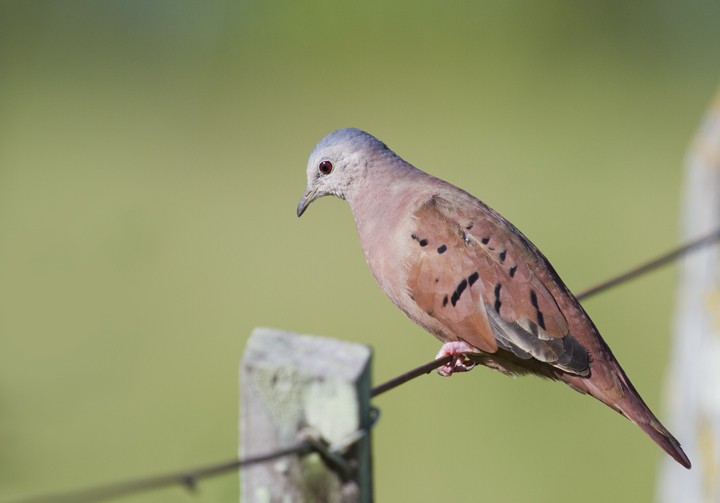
(634, 408)
(609, 384)
(664, 439)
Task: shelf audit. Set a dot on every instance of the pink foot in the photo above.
(460, 362)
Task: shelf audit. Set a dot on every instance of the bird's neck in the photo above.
(383, 211)
(376, 201)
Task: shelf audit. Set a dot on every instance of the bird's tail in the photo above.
(624, 398)
(634, 408)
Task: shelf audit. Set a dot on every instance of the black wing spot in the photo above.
(485, 240)
(442, 249)
(469, 226)
(461, 287)
(538, 313)
(445, 301)
(533, 299)
(541, 320)
(422, 242)
(473, 278)
(458, 292)
(502, 255)
(513, 270)
(498, 287)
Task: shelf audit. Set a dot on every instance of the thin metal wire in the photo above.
(408, 376)
(342, 446)
(334, 455)
(186, 478)
(650, 265)
(189, 478)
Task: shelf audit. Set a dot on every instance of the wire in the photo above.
(332, 454)
(186, 478)
(650, 265)
(408, 376)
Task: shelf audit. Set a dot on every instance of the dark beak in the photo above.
(307, 198)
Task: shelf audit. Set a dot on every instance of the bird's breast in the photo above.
(384, 226)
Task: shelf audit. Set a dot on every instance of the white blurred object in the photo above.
(693, 386)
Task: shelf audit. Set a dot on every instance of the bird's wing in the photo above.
(478, 276)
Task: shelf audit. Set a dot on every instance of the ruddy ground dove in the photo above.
(465, 274)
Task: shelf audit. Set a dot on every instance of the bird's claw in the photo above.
(460, 362)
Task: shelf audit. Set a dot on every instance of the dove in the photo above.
(464, 273)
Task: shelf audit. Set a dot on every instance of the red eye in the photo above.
(325, 167)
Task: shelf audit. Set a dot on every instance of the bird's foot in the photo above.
(460, 362)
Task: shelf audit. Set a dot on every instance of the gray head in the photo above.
(337, 162)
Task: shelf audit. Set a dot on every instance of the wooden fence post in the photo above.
(292, 383)
(694, 376)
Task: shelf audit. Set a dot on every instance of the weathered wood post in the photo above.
(294, 384)
(694, 377)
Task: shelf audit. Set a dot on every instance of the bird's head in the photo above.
(338, 164)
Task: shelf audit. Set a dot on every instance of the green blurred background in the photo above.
(152, 154)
